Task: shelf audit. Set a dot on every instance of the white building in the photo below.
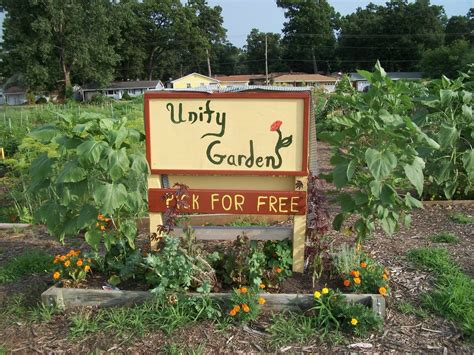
(360, 84)
(117, 89)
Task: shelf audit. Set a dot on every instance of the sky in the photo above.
(240, 16)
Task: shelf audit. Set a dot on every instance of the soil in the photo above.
(402, 332)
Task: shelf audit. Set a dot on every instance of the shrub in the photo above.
(126, 96)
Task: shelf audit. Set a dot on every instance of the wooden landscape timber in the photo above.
(66, 298)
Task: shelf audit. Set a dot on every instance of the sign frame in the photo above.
(302, 95)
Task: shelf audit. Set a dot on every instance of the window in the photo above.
(110, 92)
(188, 85)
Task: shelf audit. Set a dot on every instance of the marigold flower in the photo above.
(363, 265)
(355, 273)
(278, 270)
(245, 308)
(347, 283)
(102, 228)
(385, 276)
(232, 313)
(325, 291)
(79, 262)
(100, 217)
(97, 224)
(357, 280)
(262, 286)
(317, 295)
(275, 126)
(243, 290)
(87, 268)
(358, 247)
(237, 308)
(383, 291)
(67, 263)
(354, 321)
(261, 300)
(62, 257)
(56, 275)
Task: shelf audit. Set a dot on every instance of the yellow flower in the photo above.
(317, 295)
(261, 300)
(243, 290)
(354, 321)
(245, 308)
(56, 275)
(87, 268)
(357, 281)
(383, 291)
(385, 277)
(262, 286)
(325, 291)
(67, 263)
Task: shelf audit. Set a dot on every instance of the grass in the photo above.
(30, 262)
(453, 295)
(461, 218)
(408, 308)
(290, 328)
(444, 237)
(16, 310)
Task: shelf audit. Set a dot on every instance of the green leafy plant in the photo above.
(444, 237)
(246, 303)
(98, 169)
(345, 258)
(461, 218)
(375, 153)
(279, 261)
(290, 328)
(30, 262)
(448, 119)
(71, 267)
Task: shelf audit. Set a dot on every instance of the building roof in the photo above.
(240, 88)
(201, 75)
(392, 75)
(133, 84)
(15, 90)
(242, 78)
(289, 78)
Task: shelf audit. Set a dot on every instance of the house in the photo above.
(15, 95)
(361, 84)
(240, 80)
(2, 97)
(300, 79)
(193, 80)
(118, 89)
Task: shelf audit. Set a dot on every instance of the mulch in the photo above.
(402, 332)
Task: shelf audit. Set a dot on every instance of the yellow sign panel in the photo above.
(227, 133)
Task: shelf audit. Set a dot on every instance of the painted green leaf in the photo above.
(110, 197)
(380, 164)
(414, 173)
(91, 150)
(93, 238)
(71, 172)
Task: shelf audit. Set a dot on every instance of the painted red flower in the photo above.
(275, 126)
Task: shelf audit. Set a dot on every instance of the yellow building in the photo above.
(193, 80)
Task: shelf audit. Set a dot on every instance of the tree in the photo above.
(448, 60)
(255, 52)
(397, 34)
(309, 38)
(226, 59)
(59, 41)
(460, 27)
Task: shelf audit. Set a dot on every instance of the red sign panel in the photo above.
(232, 202)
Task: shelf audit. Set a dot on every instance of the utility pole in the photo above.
(208, 64)
(266, 61)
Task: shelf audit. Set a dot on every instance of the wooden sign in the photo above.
(235, 202)
(219, 144)
(227, 133)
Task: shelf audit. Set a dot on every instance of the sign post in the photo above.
(239, 153)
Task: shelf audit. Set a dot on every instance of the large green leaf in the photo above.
(87, 216)
(91, 150)
(129, 229)
(110, 197)
(93, 238)
(346, 202)
(45, 133)
(338, 220)
(117, 163)
(414, 173)
(448, 135)
(443, 171)
(412, 202)
(380, 164)
(71, 172)
(41, 167)
(446, 96)
(391, 119)
(339, 175)
(139, 163)
(468, 163)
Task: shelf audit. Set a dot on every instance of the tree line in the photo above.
(50, 44)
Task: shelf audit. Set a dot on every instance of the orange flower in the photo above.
(102, 228)
(232, 312)
(237, 308)
(245, 308)
(363, 265)
(79, 262)
(355, 273)
(62, 257)
(383, 291)
(347, 283)
(56, 275)
(261, 300)
(357, 281)
(67, 263)
(278, 270)
(100, 217)
(262, 286)
(385, 276)
(87, 268)
(243, 290)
